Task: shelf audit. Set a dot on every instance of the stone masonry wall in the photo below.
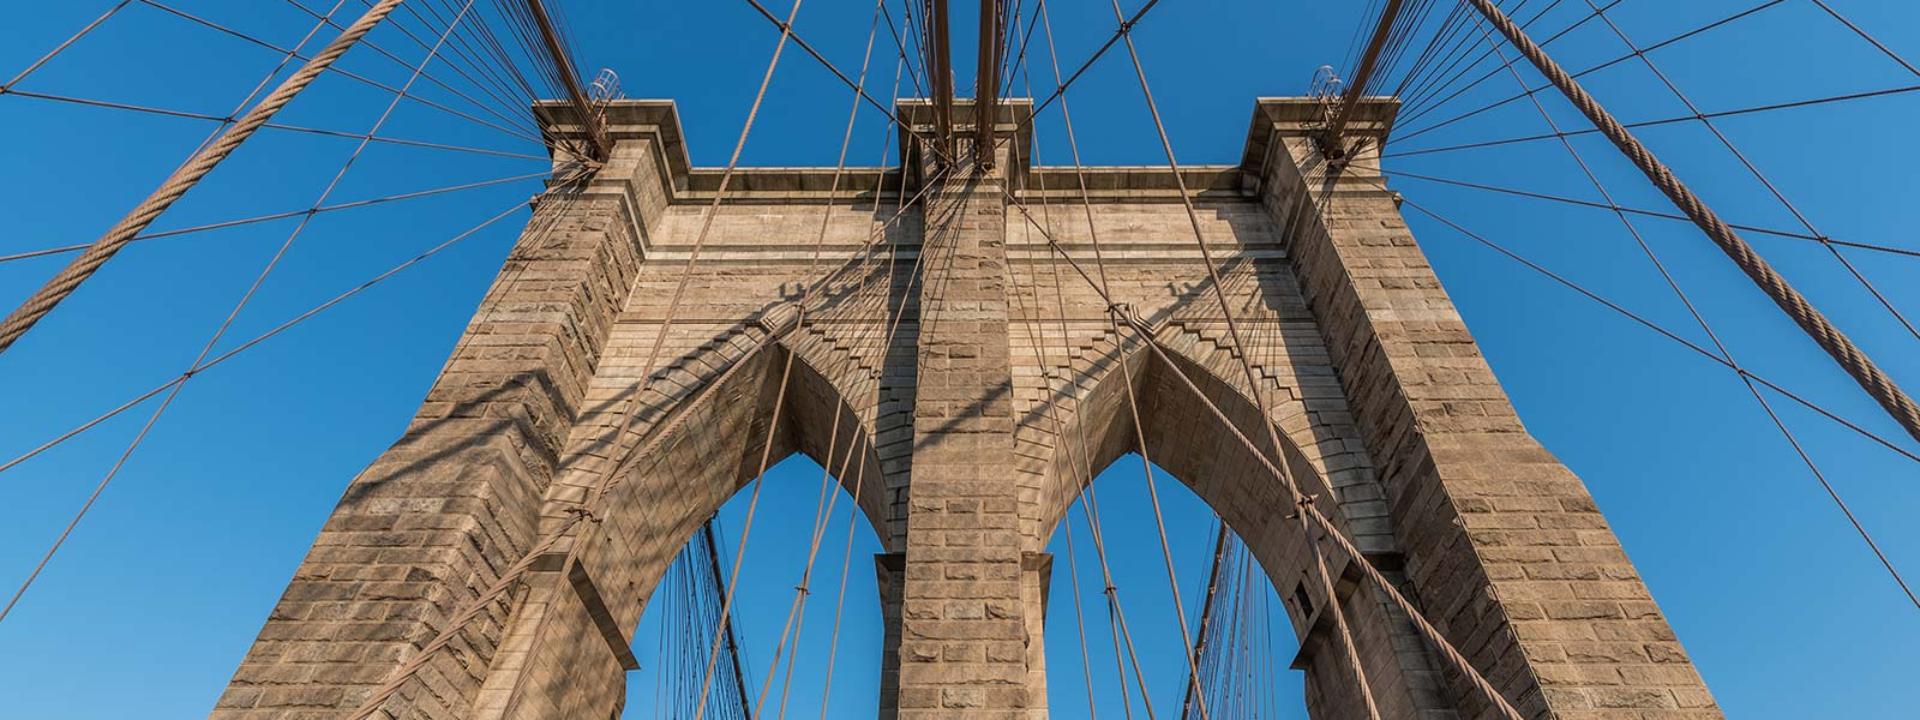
(976, 382)
(1504, 547)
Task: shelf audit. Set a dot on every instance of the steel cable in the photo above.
(1815, 324)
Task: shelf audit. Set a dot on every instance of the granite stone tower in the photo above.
(961, 380)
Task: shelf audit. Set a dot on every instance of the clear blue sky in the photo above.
(148, 609)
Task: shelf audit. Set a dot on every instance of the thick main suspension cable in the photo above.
(1720, 347)
(1845, 353)
(213, 341)
(63, 284)
(1757, 174)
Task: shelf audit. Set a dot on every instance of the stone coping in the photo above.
(1273, 117)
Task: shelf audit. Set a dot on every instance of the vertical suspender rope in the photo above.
(1240, 348)
(1844, 352)
(733, 645)
(630, 414)
(63, 284)
(1331, 531)
(1206, 614)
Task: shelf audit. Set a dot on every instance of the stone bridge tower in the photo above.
(964, 420)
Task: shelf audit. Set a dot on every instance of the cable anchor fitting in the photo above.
(1125, 315)
(580, 512)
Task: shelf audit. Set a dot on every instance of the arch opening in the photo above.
(744, 420)
(675, 634)
(1187, 442)
(1249, 641)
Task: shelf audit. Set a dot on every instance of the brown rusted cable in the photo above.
(1844, 352)
(42, 301)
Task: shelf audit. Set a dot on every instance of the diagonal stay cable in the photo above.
(902, 67)
(1516, 192)
(205, 351)
(269, 217)
(1674, 120)
(452, 53)
(900, 44)
(287, 56)
(1457, 66)
(787, 31)
(609, 479)
(1428, 103)
(1240, 351)
(42, 301)
(777, 329)
(265, 80)
(47, 57)
(1329, 529)
(569, 175)
(1755, 171)
(1080, 465)
(1709, 354)
(1719, 346)
(1060, 87)
(797, 615)
(796, 612)
(1080, 625)
(1696, 31)
(343, 72)
(491, 90)
(191, 115)
(1116, 615)
(1848, 356)
(210, 363)
(1870, 39)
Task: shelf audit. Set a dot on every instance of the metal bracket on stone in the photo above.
(596, 607)
(781, 318)
(1126, 315)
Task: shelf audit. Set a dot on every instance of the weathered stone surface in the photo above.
(963, 382)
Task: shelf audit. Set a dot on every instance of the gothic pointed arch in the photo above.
(740, 403)
(1186, 441)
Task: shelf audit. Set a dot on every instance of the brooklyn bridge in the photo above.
(909, 364)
